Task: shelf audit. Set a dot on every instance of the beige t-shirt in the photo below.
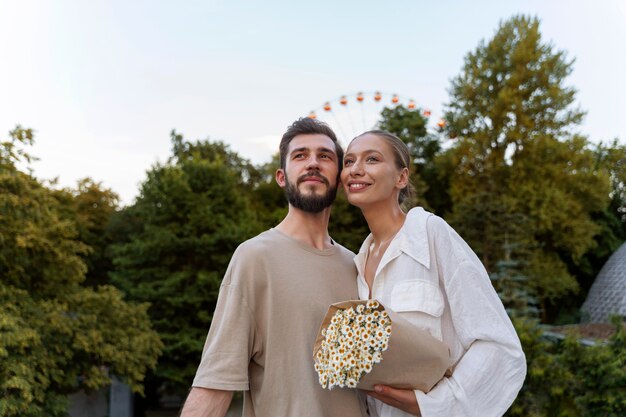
(271, 303)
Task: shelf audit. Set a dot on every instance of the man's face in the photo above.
(310, 174)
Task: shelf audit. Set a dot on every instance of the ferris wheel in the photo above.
(352, 114)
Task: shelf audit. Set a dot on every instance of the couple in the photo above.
(279, 285)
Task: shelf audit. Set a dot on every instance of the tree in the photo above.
(567, 377)
(91, 206)
(510, 93)
(490, 224)
(559, 186)
(268, 199)
(429, 181)
(513, 289)
(599, 384)
(516, 156)
(190, 216)
(56, 335)
(546, 379)
(612, 157)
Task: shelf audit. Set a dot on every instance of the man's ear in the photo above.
(280, 178)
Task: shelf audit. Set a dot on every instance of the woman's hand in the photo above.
(404, 399)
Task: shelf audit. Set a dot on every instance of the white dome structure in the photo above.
(607, 296)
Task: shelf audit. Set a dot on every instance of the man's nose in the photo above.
(313, 163)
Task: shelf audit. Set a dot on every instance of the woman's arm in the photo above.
(490, 373)
(404, 399)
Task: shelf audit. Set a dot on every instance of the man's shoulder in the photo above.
(270, 243)
(248, 258)
(262, 242)
(344, 252)
(264, 246)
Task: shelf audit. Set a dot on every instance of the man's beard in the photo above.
(311, 203)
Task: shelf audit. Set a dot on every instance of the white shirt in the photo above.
(432, 277)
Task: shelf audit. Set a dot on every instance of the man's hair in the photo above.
(308, 126)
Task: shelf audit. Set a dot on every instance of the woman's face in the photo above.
(369, 172)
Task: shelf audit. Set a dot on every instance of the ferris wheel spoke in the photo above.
(349, 111)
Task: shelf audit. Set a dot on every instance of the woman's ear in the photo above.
(403, 179)
(280, 178)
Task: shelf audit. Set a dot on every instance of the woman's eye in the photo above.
(372, 159)
(347, 162)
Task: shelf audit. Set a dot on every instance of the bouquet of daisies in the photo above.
(361, 343)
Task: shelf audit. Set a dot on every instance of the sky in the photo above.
(104, 83)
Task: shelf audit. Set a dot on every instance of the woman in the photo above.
(417, 265)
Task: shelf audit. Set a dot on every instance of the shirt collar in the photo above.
(411, 239)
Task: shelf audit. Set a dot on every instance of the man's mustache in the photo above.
(313, 175)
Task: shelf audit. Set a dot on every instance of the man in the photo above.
(275, 293)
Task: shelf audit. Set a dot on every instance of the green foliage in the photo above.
(347, 225)
(268, 200)
(410, 126)
(12, 150)
(519, 174)
(491, 225)
(546, 380)
(613, 157)
(190, 216)
(27, 368)
(91, 207)
(569, 378)
(56, 336)
(511, 92)
(599, 383)
(513, 289)
(559, 187)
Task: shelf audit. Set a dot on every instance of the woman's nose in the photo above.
(356, 169)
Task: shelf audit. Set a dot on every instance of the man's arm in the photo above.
(204, 402)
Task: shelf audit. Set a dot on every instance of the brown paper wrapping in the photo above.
(413, 360)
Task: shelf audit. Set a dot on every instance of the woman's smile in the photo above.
(355, 186)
